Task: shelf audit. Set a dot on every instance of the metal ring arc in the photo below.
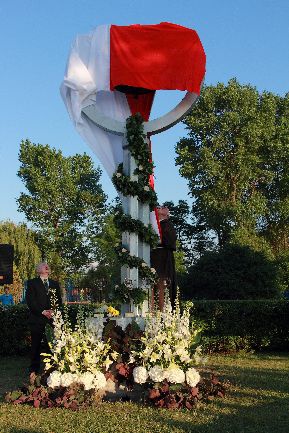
(151, 127)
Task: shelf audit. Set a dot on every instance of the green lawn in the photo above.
(258, 402)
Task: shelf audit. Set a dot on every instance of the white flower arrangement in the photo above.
(79, 355)
(168, 348)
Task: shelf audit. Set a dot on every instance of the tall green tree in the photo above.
(275, 222)
(235, 160)
(64, 202)
(191, 240)
(105, 274)
(26, 252)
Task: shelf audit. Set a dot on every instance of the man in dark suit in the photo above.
(38, 297)
(163, 261)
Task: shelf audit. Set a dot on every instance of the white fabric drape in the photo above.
(86, 82)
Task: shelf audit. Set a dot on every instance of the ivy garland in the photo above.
(145, 271)
(125, 293)
(139, 188)
(126, 223)
(142, 190)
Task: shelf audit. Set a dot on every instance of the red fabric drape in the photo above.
(161, 56)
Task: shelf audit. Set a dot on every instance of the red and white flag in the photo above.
(154, 57)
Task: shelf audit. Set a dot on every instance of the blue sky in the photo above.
(244, 39)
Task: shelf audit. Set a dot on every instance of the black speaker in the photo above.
(6, 264)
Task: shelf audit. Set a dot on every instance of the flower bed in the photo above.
(93, 360)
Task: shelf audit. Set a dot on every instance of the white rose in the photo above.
(124, 250)
(153, 270)
(144, 265)
(146, 188)
(99, 381)
(118, 174)
(175, 375)
(156, 373)
(140, 167)
(54, 379)
(192, 377)
(140, 374)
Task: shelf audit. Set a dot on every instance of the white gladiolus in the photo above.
(156, 373)
(192, 377)
(175, 375)
(54, 379)
(140, 374)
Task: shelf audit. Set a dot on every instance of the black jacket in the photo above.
(38, 300)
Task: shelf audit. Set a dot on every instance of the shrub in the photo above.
(243, 325)
(234, 272)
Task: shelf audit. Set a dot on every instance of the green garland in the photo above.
(125, 223)
(133, 188)
(142, 190)
(124, 294)
(145, 271)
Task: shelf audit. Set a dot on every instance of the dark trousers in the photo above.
(39, 344)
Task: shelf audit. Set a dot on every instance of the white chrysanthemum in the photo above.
(99, 380)
(156, 373)
(54, 379)
(87, 379)
(175, 375)
(140, 374)
(192, 377)
(67, 379)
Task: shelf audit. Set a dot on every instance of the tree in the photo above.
(26, 252)
(191, 240)
(65, 203)
(235, 160)
(234, 272)
(105, 274)
(275, 222)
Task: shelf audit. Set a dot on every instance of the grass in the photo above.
(258, 402)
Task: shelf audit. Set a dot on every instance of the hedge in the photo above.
(228, 325)
(243, 325)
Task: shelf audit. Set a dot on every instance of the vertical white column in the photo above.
(143, 247)
(130, 240)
